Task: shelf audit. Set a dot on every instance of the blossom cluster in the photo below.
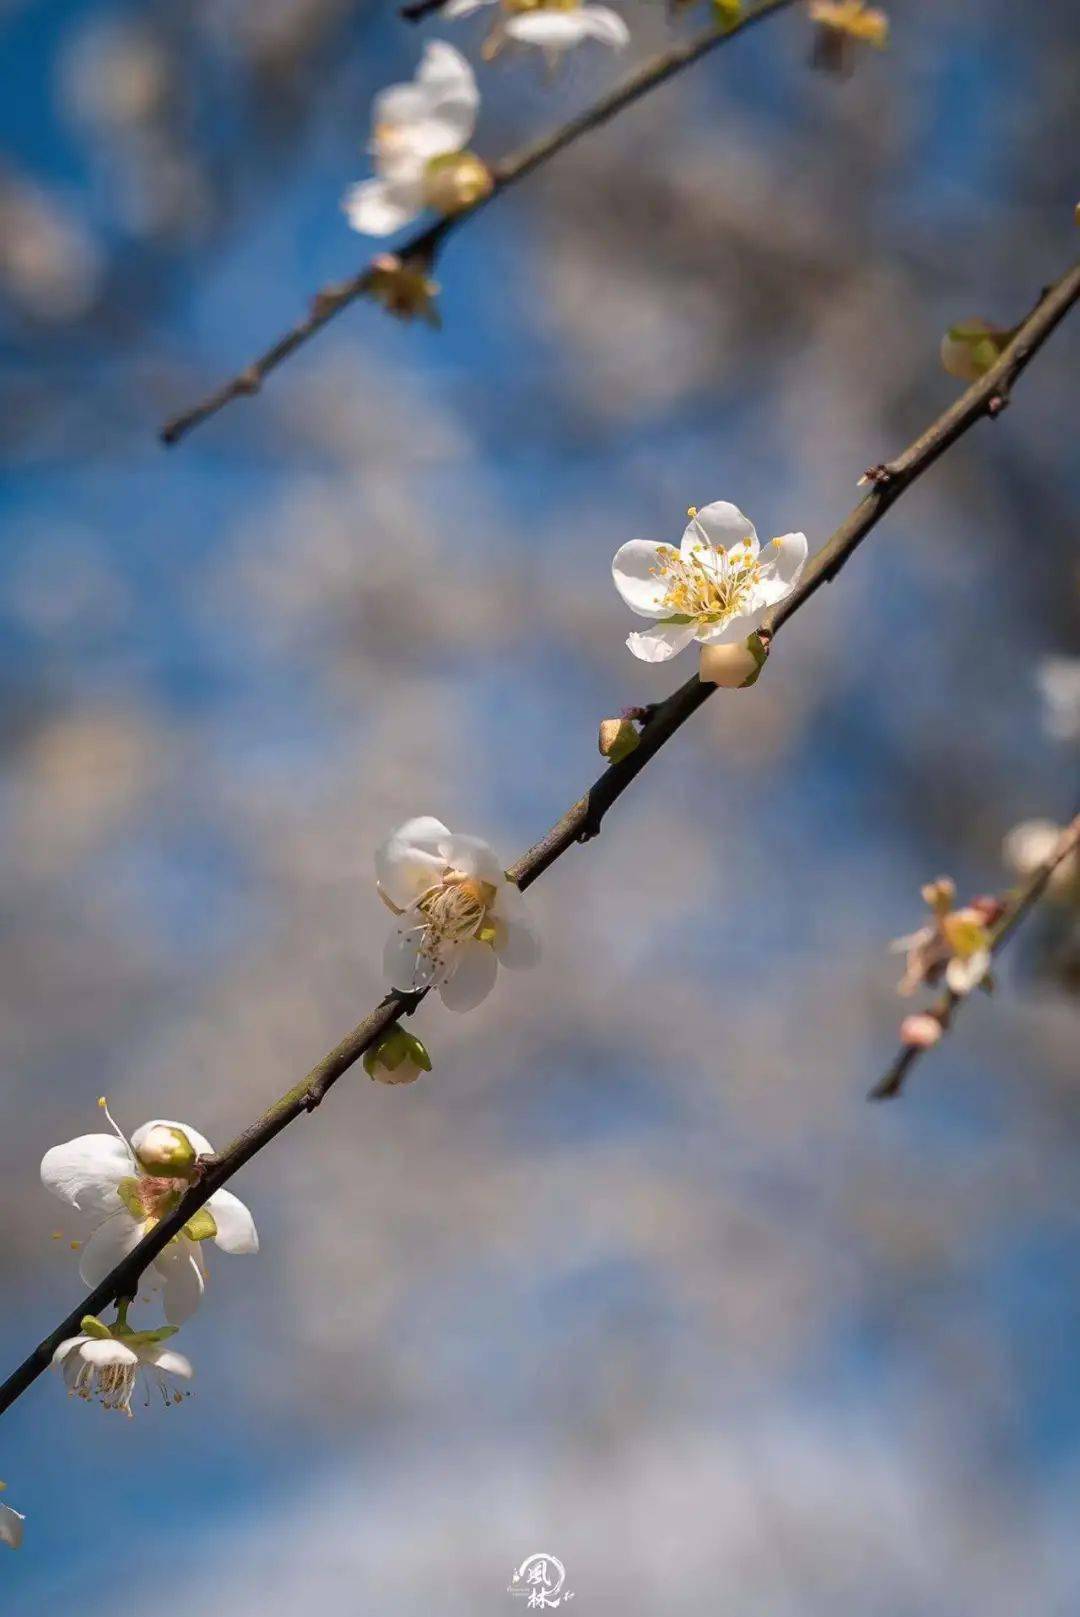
(125, 1187)
(420, 130)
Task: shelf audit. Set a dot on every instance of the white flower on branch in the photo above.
(554, 26)
(955, 943)
(1031, 844)
(130, 1186)
(11, 1525)
(419, 134)
(459, 915)
(1059, 683)
(104, 1362)
(716, 588)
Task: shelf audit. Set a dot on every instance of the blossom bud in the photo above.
(398, 1058)
(968, 351)
(618, 739)
(921, 1031)
(728, 12)
(456, 181)
(165, 1151)
(404, 288)
(734, 667)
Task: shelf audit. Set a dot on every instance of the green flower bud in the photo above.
(167, 1153)
(398, 1058)
(456, 181)
(968, 351)
(618, 739)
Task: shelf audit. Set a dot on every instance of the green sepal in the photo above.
(136, 1339)
(760, 653)
(90, 1325)
(201, 1226)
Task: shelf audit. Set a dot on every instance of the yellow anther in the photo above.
(691, 511)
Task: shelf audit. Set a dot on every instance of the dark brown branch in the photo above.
(417, 10)
(943, 1011)
(581, 821)
(424, 245)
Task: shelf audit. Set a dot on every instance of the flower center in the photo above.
(710, 584)
(151, 1198)
(452, 912)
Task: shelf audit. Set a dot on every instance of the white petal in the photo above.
(473, 979)
(184, 1284)
(735, 629)
(400, 959)
(722, 524)
(662, 641)
(517, 944)
(552, 30)
(109, 1245)
(199, 1143)
(86, 1171)
(462, 8)
(105, 1351)
(635, 570)
(412, 859)
(168, 1361)
(11, 1527)
(236, 1230)
(66, 1347)
(964, 975)
(379, 207)
(449, 84)
(782, 562)
(606, 26)
(474, 857)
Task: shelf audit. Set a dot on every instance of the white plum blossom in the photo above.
(1059, 683)
(554, 26)
(11, 1526)
(418, 139)
(459, 915)
(716, 588)
(955, 943)
(1031, 844)
(104, 1362)
(129, 1186)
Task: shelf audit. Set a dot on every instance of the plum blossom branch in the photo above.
(420, 249)
(580, 822)
(940, 1016)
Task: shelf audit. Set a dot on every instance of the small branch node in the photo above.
(249, 381)
(996, 403)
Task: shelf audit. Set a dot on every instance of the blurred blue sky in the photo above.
(639, 1230)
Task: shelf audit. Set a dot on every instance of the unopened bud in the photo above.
(921, 1031)
(456, 181)
(728, 12)
(617, 739)
(398, 1058)
(968, 351)
(734, 667)
(164, 1151)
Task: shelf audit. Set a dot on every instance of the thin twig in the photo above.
(581, 822)
(1024, 899)
(424, 245)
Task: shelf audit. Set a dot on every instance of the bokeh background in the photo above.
(636, 1278)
